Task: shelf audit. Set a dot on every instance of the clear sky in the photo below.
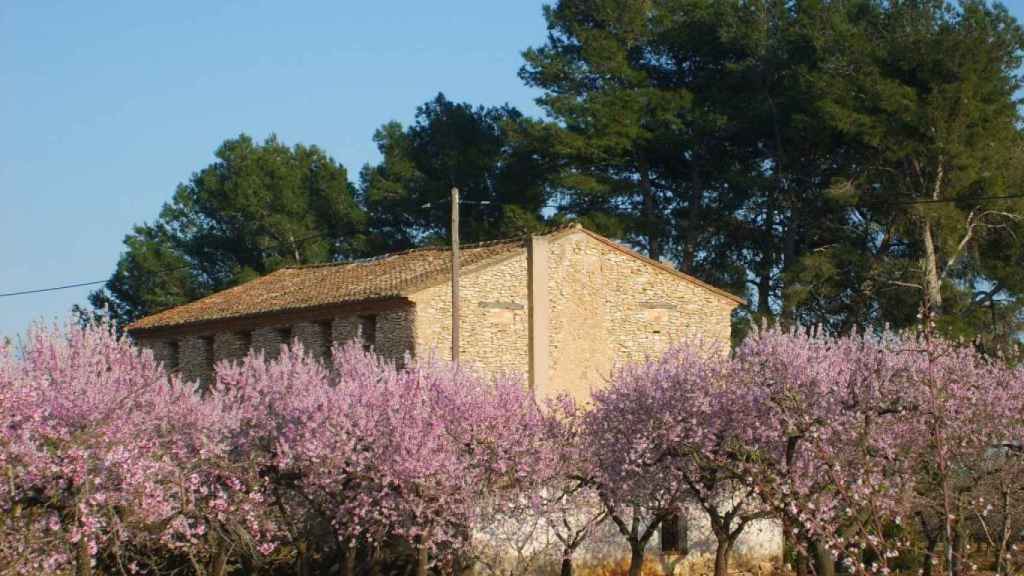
(106, 106)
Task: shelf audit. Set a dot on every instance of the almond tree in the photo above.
(623, 449)
(91, 451)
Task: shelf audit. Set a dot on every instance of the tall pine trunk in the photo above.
(649, 214)
(932, 280)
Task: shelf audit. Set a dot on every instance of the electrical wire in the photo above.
(427, 205)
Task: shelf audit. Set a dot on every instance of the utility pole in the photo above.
(455, 274)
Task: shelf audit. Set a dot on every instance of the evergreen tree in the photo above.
(257, 208)
(923, 93)
(452, 144)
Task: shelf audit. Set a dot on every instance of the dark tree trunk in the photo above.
(930, 544)
(722, 557)
(960, 538)
(803, 567)
(302, 567)
(636, 559)
(566, 566)
(649, 214)
(693, 222)
(373, 559)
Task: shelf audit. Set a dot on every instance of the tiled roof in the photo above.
(390, 276)
(297, 287)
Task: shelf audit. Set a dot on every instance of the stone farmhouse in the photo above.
(561, 308)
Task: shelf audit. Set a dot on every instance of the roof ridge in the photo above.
(435, 247)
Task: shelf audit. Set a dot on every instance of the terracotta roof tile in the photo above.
(390, 276)
(297, 287)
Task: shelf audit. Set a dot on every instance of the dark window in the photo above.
(171, 363)
(205, 375)
(285, 335)
(368, 330)
(244, 340)
(207, 351)
(673, 535)
(326, 337)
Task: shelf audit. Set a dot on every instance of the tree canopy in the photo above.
(451, 144)
(850, 164)
(257, 208)
(835, 161)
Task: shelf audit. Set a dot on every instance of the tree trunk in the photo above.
(566, 566)
(693, 222)
(765, 264)
(84, 559)
(349, 560)
(219, 567)
(824, 564)
(1004, 535)
(722, 557)
(932, 305)
(374, 559)
(960, 550)
(302, 567)
(649, 214)
(802, 564)
(422, 560)
(931, 543)
(636, 559)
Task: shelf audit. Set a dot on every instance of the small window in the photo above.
(285, 335)
(326, 329)
(171, 362)
(673, 535)
(207, 351)
(244, 342)
(368, 331)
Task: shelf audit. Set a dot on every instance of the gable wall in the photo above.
(608, 307)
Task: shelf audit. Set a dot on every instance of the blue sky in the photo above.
(106, 106)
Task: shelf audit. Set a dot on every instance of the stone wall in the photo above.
(604, 307)
(493, 318)
(231, 346)
(194, 356)
(608, 307)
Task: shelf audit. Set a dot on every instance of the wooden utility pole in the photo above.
(455, 274)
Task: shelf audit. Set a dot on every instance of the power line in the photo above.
(301, 240)
(945, 200)
(65, 287)
(428, 205)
